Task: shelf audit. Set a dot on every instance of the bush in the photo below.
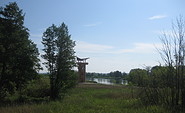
(39, 88)
(36, 91)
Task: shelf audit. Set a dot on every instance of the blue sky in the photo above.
(115, 34)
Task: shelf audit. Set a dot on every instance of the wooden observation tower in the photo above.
(82, 68)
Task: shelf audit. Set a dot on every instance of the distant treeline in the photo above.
(114, 74)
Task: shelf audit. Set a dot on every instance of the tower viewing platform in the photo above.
(82, 68)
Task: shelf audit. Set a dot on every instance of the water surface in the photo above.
(108, 81)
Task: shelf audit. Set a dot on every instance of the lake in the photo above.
(108, 81)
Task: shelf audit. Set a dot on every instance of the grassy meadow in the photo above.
(91, 98)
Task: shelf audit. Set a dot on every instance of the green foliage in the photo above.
(72, 79)
(138, 77)
(65, 59)
(159, 76)
(18, 55)
(49, 41)
(60, 59)
(91, 98)
(37, 90)
(158, 89)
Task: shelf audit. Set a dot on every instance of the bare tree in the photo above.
(166, 84)
(173, 55)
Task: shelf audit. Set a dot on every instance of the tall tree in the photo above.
(59, 54)
(18, 55)
(65, 58)
(49, 42)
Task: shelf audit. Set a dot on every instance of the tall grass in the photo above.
(91, 98)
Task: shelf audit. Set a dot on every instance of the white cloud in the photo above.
(141, 48)
(92, 24)
(97, 48)
(91, 48)
(157, 17)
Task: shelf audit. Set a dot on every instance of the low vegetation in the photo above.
(91, 98)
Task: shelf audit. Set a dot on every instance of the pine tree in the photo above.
(18, 55)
